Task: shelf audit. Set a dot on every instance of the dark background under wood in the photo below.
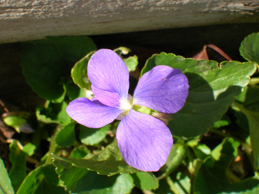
(182, 41)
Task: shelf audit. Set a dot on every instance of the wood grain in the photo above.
(23, 20)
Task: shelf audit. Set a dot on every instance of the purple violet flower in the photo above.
(144, 141)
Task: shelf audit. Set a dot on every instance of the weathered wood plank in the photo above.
(22, 20)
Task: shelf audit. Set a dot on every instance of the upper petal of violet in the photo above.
(163, 89)
(108, 72)
(91, 114)
(144, 141)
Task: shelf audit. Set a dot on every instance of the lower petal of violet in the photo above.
(144, 141)
(91, 114)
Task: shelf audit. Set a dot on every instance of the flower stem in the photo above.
(52, 148)
(254, 81)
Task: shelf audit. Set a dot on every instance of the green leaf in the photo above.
(79, 152)
(193, 142)
(18, 158)
(224, 121)
(54, 113)
(211, 91)
(182, 183)
(131, 63)
(73, 91)
(66, 136)
(18, 123)
(249, 98)
(46, 63)
(250, 107)
(79, 72)
(145, 181)
(29, 149)
(249, 48)
(163, 188)
(248, 186)
(228, 146)
(212, 178)
(253, 121)
(242, 121)
(122, 50)
(5, 183)
(93, 136)
(15, 122)
(202, 151)
(81, 181)
(42, 180)
(107, 162)
(251, 102)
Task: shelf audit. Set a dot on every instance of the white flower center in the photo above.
(125, 104)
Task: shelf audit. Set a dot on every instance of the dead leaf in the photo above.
(5, 132)
(204, 54)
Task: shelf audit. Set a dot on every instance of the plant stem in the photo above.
(254, 81)
(233, 177)
(171, 184)
(52, 148)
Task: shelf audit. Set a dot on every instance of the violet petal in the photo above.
(107, 98)
(163, 89)
(144, 141)
(91, 114)
(108, 72)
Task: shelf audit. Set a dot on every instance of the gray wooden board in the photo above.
(23, 20)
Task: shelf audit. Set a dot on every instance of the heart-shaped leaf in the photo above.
(249, 48)
(107, 162)
(47, 63)
(212, 90)
(81, 181)
(79, 72)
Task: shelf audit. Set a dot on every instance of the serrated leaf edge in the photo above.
(242, 45)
